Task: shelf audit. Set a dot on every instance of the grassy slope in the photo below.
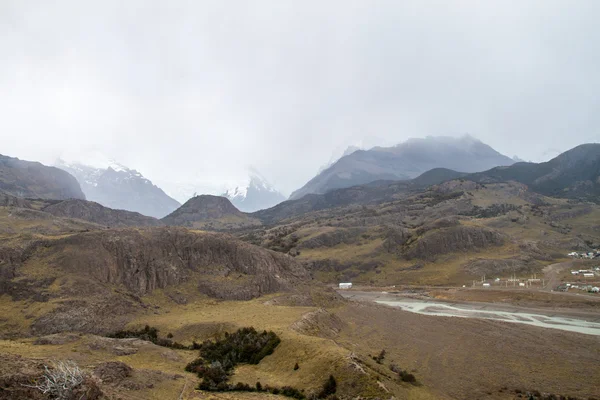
(448, 269)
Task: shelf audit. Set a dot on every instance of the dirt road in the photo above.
(551, 274)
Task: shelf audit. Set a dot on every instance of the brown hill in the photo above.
(77, 275)
(34, 180)
(209, 212)
(97, 213)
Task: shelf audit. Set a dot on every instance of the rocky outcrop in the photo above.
(455, 239)
(8, 200)
(333, 238)
(98, 277)
(97, 213)
(143, 261)
(34, 180)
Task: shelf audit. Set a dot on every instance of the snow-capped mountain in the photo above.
(113, 185)
(254, 194)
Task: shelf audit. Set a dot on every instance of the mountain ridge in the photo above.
(573, 173)
(405, 161)
(119, 187)
(31, 179)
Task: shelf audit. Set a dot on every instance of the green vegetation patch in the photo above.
(217, 359)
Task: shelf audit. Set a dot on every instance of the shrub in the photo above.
(380, 357)
(150, 334)
(404, 376)
(294, 393)
(214, 377)
(245, 346)
(61, 381)
(329, 388)
(147, 333)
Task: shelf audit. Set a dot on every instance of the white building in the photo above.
(345, 285)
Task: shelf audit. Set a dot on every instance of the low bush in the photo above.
(150, 334)
(404, 375)
(329, 388)
(379, 358)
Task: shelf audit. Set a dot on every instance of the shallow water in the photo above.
(447, 310)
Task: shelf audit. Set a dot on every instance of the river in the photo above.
(473, 310)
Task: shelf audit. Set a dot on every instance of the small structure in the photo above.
(521, 284)
(574, 272)
(595, 289)
(345, 285)
(588, 274)
(486, 285)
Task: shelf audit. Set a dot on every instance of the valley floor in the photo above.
(452, 358)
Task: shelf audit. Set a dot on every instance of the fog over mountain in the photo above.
(193, 92)
(404, 161)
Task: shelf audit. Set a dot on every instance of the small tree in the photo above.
(259, 387)
(296, 367)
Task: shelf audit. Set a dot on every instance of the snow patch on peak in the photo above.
(239, 192)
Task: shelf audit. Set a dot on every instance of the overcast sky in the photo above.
(196, 91)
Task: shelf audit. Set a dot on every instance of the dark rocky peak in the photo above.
(405, 161)
(34, 180)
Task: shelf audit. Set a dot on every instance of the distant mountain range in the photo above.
(34, 180)
(405, 161)
(573, 174)
(249, 194)
(116, 186)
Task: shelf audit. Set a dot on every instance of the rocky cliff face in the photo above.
(143, 261)
(94, 212)
(455, 239)
(34, 180)
(100, 275)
